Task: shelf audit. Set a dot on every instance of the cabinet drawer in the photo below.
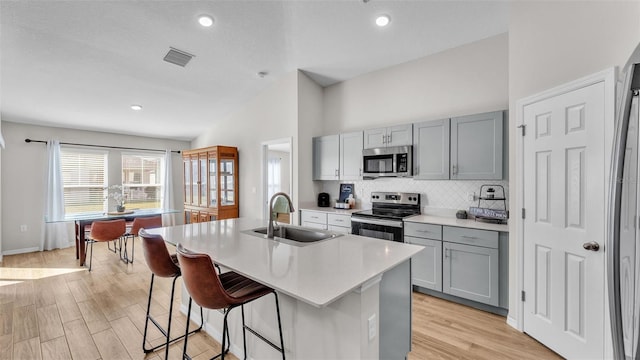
(339, 220)
(427, 231)
(314, 225)
(477, 237)
(313, 216)
(339, 229)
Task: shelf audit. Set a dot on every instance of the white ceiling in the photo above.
(81, 64)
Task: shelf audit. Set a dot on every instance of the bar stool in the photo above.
(138, 223)
(105, 230)
(225, 291)
(163, 265)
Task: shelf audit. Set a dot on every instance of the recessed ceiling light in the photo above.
(383, 20)
(136, 107)
(263, 73)
(205, 20)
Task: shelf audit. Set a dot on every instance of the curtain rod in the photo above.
(100, 146)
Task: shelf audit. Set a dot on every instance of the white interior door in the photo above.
(564, 174)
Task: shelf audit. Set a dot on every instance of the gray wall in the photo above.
(24, 174)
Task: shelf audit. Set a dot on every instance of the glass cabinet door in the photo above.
(195, 180)
(202, 160)
(187, 179)
(227, 183)
(213, 181)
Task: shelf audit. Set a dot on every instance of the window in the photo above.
(84, 175)
(274, 175)
(142, 180)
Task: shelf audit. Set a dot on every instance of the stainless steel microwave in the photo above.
(387, 162)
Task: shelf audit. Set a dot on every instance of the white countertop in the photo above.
(317, 273)
(331, 210)
(466, 223)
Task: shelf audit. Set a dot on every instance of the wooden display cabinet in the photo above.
(210, 184)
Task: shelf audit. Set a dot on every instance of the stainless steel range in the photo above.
(384, 220)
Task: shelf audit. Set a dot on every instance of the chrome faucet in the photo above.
(271, 226)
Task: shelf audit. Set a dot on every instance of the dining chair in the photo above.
(105, 230)
(161, 264)
(222, 291)
(137, 224)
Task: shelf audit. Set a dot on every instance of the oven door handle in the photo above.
(397, 224)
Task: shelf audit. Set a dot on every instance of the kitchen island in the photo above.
(347, 297)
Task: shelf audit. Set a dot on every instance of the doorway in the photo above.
(276, 173)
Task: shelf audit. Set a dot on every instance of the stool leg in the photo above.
(279, 325)
(91, 257)
(244, 333)
(186, 332)
(146, 322)
(173, 288)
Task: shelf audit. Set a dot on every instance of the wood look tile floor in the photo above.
(50, 308)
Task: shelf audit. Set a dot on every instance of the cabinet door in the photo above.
(476, 146)
(351, 145)
(326, 155)
(195, 180)
(431, 150)
(426, 266)
(400, 135)
(375, 138)
(471, 272)
(186, 167)
(203, 191)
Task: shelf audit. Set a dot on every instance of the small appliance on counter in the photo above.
(324, 200)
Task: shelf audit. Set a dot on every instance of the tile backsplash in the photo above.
(437, 196)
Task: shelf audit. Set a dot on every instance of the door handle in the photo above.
(591, 245)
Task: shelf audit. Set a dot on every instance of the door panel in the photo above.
(564, 156)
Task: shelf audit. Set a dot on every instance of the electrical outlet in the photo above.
(471, 196)
(372, 327)
(23, 228)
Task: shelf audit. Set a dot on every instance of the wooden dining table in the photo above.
(82, 220)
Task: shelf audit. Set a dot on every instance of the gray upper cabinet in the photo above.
(431, 150)
(338, 157)
(351, 156)
(476, 146)
(326, 156)
(398, 135)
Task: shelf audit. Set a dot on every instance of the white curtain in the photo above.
(167, 191)
(55, 234)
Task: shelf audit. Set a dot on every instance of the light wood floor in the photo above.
(50, 308)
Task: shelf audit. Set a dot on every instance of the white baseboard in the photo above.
(29, 250)
(512, 322)
(20, 251)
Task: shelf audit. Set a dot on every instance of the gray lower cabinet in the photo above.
(426, 267)
(477, 146)
(470, 272)
(464, 262)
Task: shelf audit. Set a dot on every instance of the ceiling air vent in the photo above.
(178, 57)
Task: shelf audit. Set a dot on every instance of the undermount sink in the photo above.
(297, 234)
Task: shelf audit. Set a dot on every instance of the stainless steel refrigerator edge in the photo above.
(623, 236)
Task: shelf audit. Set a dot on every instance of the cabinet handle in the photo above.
(384, 139)
(423, 231)
(388, 139)
(360, 172)
(468, 237)
(446, 253)
(455, 169)
(337, 172)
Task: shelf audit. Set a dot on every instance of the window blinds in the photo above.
(84, 175)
